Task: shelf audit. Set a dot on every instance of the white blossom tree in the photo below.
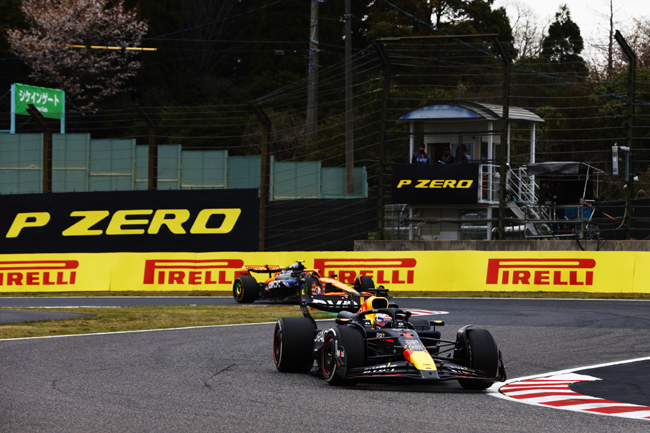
(86, 75)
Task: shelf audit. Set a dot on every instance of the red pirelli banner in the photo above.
(611, 272)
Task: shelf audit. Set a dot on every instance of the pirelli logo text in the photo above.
(192, 272)
(382, 271)
(38, 273)
(543, 272)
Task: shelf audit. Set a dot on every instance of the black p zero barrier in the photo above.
(130, 221)
(435, 183)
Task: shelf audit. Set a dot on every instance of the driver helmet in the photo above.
(382, 320)
(288, 270)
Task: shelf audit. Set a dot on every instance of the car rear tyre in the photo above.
(351, 339)
(363, 284)
(483, 354)
(293, 341)
(245, 290)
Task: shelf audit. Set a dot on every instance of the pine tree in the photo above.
(564, 44)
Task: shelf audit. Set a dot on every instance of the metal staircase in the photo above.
(524, 204)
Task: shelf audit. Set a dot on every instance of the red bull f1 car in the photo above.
(380, 341)
(286, 284)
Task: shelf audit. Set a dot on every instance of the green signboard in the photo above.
(50, 102)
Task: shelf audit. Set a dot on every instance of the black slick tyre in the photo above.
(363, 284)
(245, 290)
(293, 341)
(483, 355)
(351, 339)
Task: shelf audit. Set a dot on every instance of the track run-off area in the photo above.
(222, 378)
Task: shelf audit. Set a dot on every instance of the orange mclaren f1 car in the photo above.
(377, 341)
(286, 284)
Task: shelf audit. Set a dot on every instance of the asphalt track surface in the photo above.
(223, 378)
(14, 316)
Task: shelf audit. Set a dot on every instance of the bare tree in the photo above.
(641, 42)
(528, 33)
(86, 75)
(604, 61)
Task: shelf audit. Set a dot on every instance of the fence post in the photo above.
(152, 173)
(631, 96)
(349, 106)
(382, 138)
(504, 138)
(47, 147)
(265, 172)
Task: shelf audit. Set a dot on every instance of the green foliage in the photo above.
(564, 44)
(452, 17)
(611, 100)
(267, 82)
(285, 29)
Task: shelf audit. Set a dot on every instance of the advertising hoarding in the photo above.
(130, 221)
(427, 271)
(435, 184)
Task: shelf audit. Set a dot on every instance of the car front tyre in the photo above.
(355, 351)
(293, 341)
(483, 355)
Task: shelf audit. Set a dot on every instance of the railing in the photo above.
(533, 220)
(488, 191)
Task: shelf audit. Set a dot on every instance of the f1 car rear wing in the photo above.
(351, 302)
(263, 269)
(271, 269)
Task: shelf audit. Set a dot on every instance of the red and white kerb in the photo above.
(553, 391)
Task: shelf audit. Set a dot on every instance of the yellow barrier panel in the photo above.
(55, 272)
(566, 271)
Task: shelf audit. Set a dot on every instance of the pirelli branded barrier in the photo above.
(612, 272)
(130, 221)
(435, 183)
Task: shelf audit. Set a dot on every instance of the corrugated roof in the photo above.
(470, 111)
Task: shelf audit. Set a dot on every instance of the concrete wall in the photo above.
(533, 245)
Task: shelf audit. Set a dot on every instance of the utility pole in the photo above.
(349, 109)
(312, 72)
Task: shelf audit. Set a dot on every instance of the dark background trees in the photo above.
(213, 58)
(563, 45)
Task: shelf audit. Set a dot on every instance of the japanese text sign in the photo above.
(50, 102)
